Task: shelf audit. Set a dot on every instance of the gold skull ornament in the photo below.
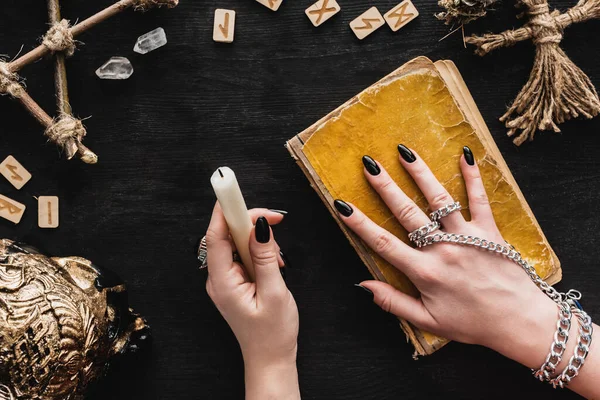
(61, 321)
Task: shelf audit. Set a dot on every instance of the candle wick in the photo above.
(221, 173)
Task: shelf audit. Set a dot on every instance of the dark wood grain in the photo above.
(195, 105)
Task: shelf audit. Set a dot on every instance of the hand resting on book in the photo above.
(467, 294)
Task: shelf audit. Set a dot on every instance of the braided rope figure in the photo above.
(557, 89)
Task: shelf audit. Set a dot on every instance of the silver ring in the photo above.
(418, 234)
(445, 211)
(203, 253)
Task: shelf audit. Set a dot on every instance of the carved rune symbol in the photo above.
(49, 205)
(273, 2)
(12, 209)
(13, 170)
(322, 11)
(367, 23)
(401, 14)
(225, 28)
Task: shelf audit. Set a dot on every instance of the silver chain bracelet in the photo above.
(506, 250)
(571, 299)
(584, 341)
(559, 345)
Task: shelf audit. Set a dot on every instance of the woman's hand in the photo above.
(467, 294)
(262, 314)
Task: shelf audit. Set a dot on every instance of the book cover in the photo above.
(427, 107)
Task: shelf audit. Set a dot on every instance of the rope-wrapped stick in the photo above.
(65, 131)
(557, 90)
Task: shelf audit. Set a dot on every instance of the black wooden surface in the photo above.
(195, 105)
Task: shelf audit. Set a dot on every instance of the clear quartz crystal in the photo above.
(116, 68)
(150, 41)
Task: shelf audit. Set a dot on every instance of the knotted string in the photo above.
(557, 89)
(9, 81)
(68, 132)
(544, 25)
(59, 38)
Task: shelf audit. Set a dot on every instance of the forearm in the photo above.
(587, 383)
(530, 346)
(277, 382)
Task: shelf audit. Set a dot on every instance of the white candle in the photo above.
(234, 208)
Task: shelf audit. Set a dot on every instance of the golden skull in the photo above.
(61, 321)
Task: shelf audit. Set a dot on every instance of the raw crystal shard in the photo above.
(150, 41)
(116, 68)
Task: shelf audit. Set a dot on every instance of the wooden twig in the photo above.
(60, 69)
(34, 109)
(40, 51)
(71, 137)
(74, 145)
(12, 86)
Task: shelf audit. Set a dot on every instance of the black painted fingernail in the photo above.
(262, 230)
(343, 208)
(468, 155)
(371, 166)
(282, 212)
(286, 261)
(406, 154)
(366, 290)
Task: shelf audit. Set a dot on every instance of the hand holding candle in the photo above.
(234, 208)
(262, 314)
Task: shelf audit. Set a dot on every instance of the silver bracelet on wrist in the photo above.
(567, 302)
(559, 345)
(584, 341)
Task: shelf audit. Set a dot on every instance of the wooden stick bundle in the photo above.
(65, 130)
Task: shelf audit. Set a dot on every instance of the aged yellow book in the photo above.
(427, 107)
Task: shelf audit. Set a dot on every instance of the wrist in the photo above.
(260, 358)
(264, 367)
(271, 380)
(526, 338)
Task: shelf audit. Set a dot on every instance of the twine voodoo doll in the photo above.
(557, 89)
